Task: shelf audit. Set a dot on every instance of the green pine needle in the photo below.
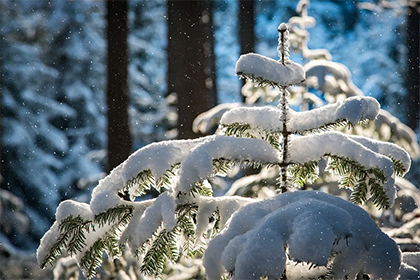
(246, 131)
(164, 247)
(360, 179)
(301, 174)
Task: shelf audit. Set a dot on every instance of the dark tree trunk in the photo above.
(1, 104)
(246, 28)
(191, 64)
(119, 139)
(413, 78)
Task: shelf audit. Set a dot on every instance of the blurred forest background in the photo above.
(84, 83)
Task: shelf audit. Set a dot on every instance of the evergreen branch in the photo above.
(109, 241)
(246, 131)
(259, 80)
(303, 173)
(339, 123)
(360, 179)
(399, 168)
(359, 193)
(186, 226)
(201, 189)
(55, 250)
(121, 213)
(94, 256)
(71, 238)
(142, 182)
(165, 180)
(164, 247)
(145, 181)
(164, 244)
(379, 195)
(326, 127)
(221, 166)
(78, 240)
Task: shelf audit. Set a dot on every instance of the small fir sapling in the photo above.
(250, 238)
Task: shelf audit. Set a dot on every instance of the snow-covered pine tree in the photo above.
(52, 84)
(249, 239)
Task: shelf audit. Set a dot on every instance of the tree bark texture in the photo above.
(191, 64)
(413, 77)
(119, 139)
(246, 28)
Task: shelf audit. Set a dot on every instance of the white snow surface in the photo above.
(47, 241)
(410, 266)
(158, 157)
(73, 208)
(322, 68)
(385, 148)
(226, 205)
(111, 183)
(105, 194)
(312, 225)
(204, 122)
(353, 109)
(66, 209)
(339, 144)
(265, 117)
(335, 143)
(270, 70)
(199, 165)
(145, 222)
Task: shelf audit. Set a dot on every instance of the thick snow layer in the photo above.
(321, 68)
(204, 122)
(105, 195)
(352, 109)
(199, 163)
(410, 266)
(113, 182)
(270, 70)
(47, 242)
(339, 144)
(385, 148)
(66, 209)
(390, 127)
(105, 200)
(146, 222)
(69, 208)
(265, 117)
(158, 157)
(226, 206)
(336, 143)
(312, 225)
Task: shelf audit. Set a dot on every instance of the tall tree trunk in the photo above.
(246, 28)
(119, 139)
(191, 64)
(413, 78)
(1, 100)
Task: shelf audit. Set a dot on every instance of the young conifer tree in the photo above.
(244, 238)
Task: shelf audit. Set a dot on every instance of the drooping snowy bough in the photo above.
(302, 227)
(258, 239)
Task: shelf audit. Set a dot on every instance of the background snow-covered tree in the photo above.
(52, 97)
(311, 227)
(53, 104)
(147, 69)
(150, 115)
